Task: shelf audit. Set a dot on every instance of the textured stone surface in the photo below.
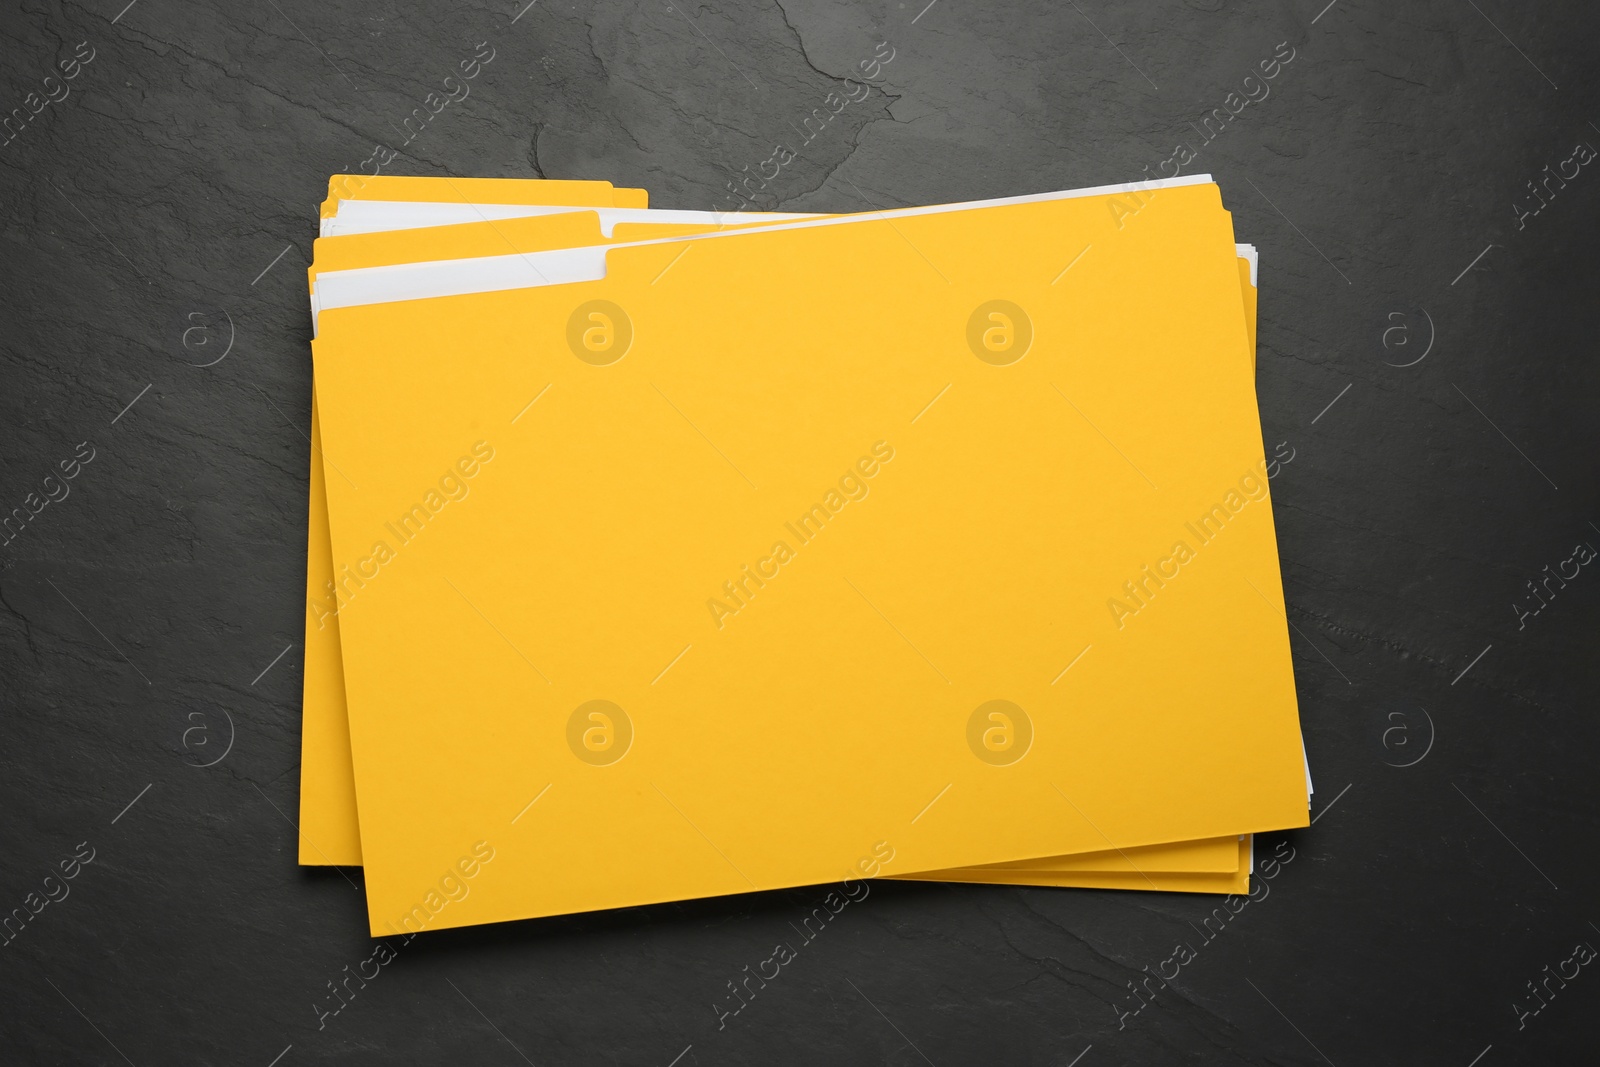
(192, 150)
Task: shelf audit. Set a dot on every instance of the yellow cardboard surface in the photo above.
(567, 231)
(511, 334)
(461, 241)
(1149, 859)
(328, 831)
(1209, 866)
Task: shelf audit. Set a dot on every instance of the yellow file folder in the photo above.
(994, 522)
(1146, 857)
(463, 241)
(1216, 855)
(328, 831)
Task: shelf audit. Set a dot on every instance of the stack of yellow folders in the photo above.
(656, 555)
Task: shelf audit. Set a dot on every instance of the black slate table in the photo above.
(1419, 178)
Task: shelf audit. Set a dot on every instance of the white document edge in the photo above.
(381, 216)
